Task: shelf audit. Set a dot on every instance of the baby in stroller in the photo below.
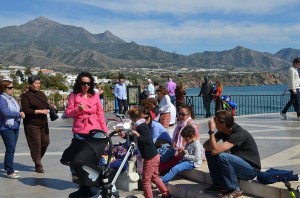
(228, 104)
(83, 157)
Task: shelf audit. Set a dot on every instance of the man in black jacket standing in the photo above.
(206, 93)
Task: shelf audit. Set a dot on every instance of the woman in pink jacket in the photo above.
(85, 108)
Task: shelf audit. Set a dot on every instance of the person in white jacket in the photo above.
(164, 106)
(293, 86)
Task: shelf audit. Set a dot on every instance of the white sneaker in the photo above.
(283, 115)
(13, 176)
(298, 118)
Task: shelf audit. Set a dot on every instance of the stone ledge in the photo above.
(183, 188)
(252, 187)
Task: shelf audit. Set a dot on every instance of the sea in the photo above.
(245, 90)
(248, 99)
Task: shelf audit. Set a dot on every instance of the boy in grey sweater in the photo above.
(191, 154)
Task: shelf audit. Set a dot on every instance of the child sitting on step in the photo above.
(191, 154)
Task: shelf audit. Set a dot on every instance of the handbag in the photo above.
(53, 113)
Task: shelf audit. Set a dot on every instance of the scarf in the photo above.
(13, 106)
(177, 139)
(140, 121)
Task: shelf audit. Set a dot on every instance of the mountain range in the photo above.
(46, 43)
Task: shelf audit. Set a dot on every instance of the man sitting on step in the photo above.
(235, 158)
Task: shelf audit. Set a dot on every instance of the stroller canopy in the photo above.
(86, 150)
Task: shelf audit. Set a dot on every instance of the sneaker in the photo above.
(13, 176)
(215, 188)
(283, 115)
(298, 118)
(231, 194)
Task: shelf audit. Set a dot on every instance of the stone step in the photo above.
(183, 188)
(252, 187)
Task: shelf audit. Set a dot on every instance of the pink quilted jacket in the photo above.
(92, 117)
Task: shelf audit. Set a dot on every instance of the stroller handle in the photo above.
(132, 144)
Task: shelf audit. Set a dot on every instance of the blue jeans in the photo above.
(84, 136)
(225, 169)
(181, 166)
(295, 101)
(10, 138)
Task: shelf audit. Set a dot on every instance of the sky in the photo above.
(180, 26)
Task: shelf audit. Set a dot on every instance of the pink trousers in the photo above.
(150, 174)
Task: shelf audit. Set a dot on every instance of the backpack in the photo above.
(275, 175)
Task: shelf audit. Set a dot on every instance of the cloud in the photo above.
(179, 7)
(189, 31)
(176, 25)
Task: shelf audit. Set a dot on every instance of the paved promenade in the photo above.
(278, 141)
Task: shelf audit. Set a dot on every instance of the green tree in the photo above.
(13, 76)
(28, 71)
(56, 82)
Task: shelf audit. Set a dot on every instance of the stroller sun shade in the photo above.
(87, 150)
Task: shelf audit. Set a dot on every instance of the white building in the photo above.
(5, 74)
(104, 80)
(70, 79)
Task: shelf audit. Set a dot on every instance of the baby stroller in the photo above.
(83, 158)
(228, 105)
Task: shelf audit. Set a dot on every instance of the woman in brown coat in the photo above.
(179, 93)
(35, 106)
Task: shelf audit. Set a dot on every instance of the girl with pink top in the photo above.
(85, 108)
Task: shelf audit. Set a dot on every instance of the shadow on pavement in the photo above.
(57, 184)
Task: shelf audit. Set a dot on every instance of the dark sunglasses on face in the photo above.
(85, 83)
(9, 87)
(183, 114)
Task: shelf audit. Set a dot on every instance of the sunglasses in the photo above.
(9, 87)
(183, 114)
(85, 83)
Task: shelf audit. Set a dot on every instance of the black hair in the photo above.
(33, 78)
(77, 86)
(296, 60)
(225, 117)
